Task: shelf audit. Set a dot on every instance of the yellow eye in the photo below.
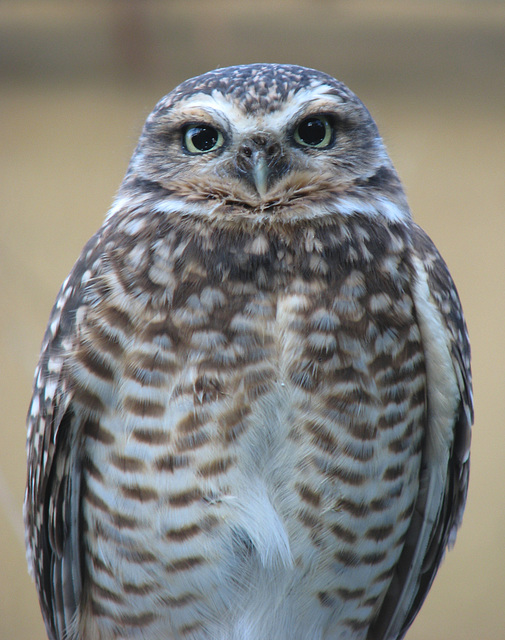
(315, 132)
(202, 138)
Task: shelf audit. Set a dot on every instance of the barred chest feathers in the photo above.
(268, 408)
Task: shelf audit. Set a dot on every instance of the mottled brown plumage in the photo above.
(252, 410)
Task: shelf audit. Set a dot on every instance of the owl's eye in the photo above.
(202, 138)
(315, 131)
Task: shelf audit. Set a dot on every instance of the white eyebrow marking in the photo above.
(220, 106)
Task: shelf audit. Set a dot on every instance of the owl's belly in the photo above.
(263, 490)
(289, 529)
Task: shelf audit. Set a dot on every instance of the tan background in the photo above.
(76, 82)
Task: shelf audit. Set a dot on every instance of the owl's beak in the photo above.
(261, 162)
(260, 175)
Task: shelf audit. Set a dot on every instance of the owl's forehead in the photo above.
(261, 90)
(238, 112)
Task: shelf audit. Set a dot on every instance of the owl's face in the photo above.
(259, 141)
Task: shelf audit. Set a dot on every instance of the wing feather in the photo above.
(52, 497)
(445, 466)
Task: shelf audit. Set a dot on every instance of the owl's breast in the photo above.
(264, 433)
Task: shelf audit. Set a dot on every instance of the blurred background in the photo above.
(77, 80)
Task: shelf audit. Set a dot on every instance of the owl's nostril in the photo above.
(260, 143)
(246, 150)
(273, 149)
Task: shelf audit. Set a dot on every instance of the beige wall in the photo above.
(76, 83)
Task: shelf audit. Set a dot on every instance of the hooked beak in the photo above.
(260, 160)
(259, 175)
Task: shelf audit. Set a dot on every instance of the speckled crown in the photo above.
(258, 87)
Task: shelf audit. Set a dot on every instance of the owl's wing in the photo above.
(445, 465)
(52, 497)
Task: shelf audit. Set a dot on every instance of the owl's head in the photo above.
(263, 142)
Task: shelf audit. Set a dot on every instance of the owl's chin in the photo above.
(312, 209)
(295, 197)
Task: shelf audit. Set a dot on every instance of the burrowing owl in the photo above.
(252, 410)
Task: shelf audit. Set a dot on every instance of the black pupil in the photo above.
(204, 138)
(312, 131)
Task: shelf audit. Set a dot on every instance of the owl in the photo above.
(251, 415)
